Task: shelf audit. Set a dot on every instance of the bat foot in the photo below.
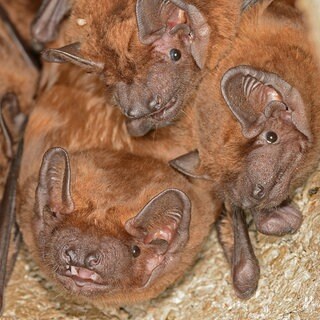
(245, 278)
(283, 220)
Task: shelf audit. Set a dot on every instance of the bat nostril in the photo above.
(259, 192)
(92, 260)
(70, 256)
(156, 102)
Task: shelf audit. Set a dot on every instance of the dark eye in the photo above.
(135, 251)
(175, 54)
(271, 137)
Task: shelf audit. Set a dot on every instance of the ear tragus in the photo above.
(54, 187)
(155, 17)
(71, 53)
(252, 95)
(166, 217)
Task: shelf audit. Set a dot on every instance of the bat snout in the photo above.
(88, 260)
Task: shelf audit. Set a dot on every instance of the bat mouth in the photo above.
(81, 280)
(167, 112)
(82, 276)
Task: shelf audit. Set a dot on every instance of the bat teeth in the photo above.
(74, 270)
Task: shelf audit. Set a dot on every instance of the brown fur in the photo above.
(77, 117)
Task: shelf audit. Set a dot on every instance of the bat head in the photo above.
(152, 52)
(177, 36)
(273, 118)
(275, 127)
(105, 235)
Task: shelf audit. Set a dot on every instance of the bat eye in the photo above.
(175, 54)
(135, 251)
(271, 137)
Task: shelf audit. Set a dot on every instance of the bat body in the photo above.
(150, 54)
(258, 133)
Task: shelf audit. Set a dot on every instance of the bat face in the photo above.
(269, 168)
(177, 35)
(155, 66)
(102, 232)
(273, 117)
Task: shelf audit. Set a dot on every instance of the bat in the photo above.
(111, 227)
(263, 143)
(154, 71)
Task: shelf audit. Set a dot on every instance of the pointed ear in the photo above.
(48, 19)
(53, 189)
(158, 17)
(163, 222)
(189, 165)
(254, 96)
(71, 53)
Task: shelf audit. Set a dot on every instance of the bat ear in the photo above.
(48, 19)
(189, 165)
(156, 18)
(53, 191)
(71, 53)
(254, 96)
(163, 222)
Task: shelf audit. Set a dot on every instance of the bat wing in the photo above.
(27, 54)
(7, 220)
(46, 24)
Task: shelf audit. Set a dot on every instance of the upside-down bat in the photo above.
(259, 136)
(18, 82)
(151, 54)
(111, 227)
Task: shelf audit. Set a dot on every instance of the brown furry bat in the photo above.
(111, 227)
(150, 54)
(258, 153)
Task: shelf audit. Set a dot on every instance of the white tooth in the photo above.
(94, 277)
(74, 271)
